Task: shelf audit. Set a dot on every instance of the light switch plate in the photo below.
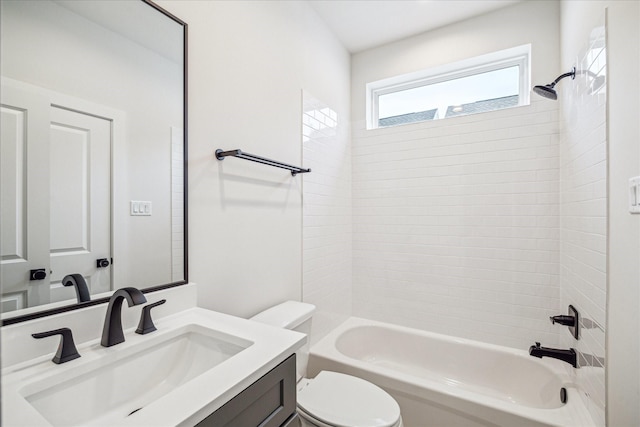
(140, 208)
(634, 195)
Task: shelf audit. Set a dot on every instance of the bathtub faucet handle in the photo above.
(563, 320)
(570, 320)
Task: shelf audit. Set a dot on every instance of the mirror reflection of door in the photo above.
(80, 176)
(59, 175)
(25, 200)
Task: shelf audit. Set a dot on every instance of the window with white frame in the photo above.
(485, 83)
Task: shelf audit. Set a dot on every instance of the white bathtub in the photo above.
(444, 381)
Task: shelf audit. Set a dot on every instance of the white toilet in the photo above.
(331, 399)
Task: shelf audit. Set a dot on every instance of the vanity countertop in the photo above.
(258, 349)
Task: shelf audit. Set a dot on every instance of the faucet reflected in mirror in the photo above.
(112, 332)
(77, 281)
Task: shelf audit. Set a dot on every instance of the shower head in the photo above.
(548, 91)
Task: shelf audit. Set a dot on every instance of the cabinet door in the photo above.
(269, 402)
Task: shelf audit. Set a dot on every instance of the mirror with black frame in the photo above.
(93, 152)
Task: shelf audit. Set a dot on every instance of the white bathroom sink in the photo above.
(107, 394)
(193, 364)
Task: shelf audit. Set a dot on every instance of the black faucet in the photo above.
(572, 320)
(77, 281)
(563, 320)
(112, 333)
(570, 356)
(66, 349)
(146, 323)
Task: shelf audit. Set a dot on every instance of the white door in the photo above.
(56, 198)
(80, 196)
(24, 158)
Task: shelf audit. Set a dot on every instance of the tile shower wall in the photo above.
(456, 225)
(326, 223)
(583, 208)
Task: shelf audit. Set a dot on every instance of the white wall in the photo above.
(583, 211)
(622, 343)
(456, 226)
(249, 62)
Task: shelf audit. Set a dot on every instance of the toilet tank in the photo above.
(295, 316)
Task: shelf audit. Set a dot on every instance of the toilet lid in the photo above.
(345, 401)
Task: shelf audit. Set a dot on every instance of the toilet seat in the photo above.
(345, 401)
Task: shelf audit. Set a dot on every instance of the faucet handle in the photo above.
(537, 344)
(563, 319)
(571, 320)
(66, 349)
(146, 323)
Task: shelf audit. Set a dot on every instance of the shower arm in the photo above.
(571, 73)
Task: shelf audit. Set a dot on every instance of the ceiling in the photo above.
(363, 24)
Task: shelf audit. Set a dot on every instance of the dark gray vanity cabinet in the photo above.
(268, 402)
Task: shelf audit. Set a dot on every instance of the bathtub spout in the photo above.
(570, 356)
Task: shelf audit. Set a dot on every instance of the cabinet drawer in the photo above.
(268, 402)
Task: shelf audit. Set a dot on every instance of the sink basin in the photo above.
(192, 365)
(107, 394)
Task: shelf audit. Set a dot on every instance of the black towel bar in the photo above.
(220, 155)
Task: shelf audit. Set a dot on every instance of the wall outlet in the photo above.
(139, 208)
(634, 195)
